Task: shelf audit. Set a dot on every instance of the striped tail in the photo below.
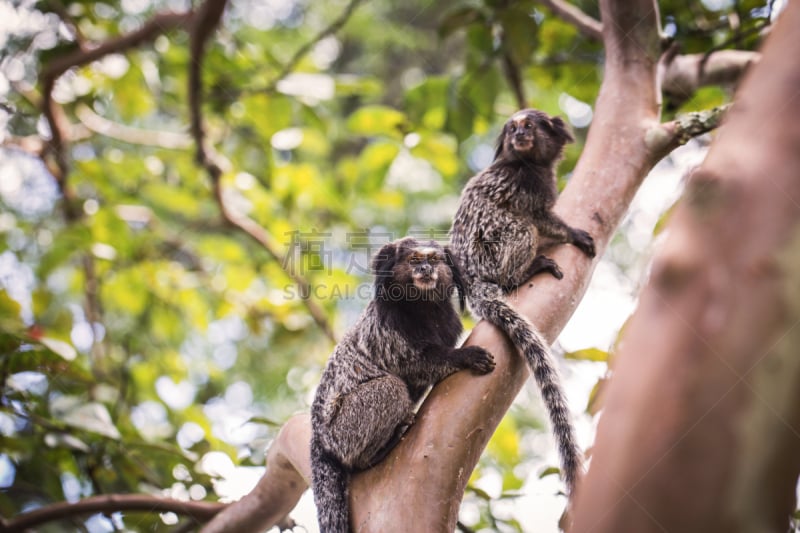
(529, 342)
(330, 482)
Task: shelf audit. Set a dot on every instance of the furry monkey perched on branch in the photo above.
(504, 214)
(402, 344)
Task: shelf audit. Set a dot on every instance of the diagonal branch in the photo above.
(159, 24)
(684, 74)
(160, 139)
(112, 503)
(681, 75)
(664, 138)
(55, 149)
(514, 76)
(586, 25)
(301, 52)
(207, 19)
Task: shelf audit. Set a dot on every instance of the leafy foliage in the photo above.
(148, 332)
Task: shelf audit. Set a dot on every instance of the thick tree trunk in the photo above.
(701, 425)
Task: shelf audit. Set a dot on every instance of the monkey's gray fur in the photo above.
(504, 213)
(400, 345)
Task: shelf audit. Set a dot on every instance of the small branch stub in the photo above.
(664, 138)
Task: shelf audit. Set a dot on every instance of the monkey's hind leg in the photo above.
(540, 263)
(368, 419)
(397, 436)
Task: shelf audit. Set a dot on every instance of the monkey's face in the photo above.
(409, 270)
(533, 135)
(520, 133)
(426, 268)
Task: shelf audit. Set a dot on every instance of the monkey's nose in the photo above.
(425, 270)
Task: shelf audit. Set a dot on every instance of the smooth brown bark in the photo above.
(701, 425)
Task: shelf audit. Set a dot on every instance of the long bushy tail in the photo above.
(488, 305)
(330, 482)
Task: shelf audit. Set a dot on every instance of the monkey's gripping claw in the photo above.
(478, 360)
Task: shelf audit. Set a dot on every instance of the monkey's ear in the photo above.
(561, 130)
(501, 142)
(458, 279)
(383, 264)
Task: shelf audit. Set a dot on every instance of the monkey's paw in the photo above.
(478, 360)
(583, 241)
(543, 263)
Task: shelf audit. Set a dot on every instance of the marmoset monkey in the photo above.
(504, 213)
(401, 344)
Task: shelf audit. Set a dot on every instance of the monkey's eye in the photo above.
(528, 125)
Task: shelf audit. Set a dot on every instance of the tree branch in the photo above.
(664, 138)
(159, 24)
(121, 132)
(206, 21)
(586, 25)
(301, 52)
(514, 77)
(198, 511)
(684, 74)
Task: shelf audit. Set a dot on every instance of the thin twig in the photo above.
(59, 125)
(586, 25)
(683, 74)
(514, 78)
(301, 52)
(207, 19)
(121, 132)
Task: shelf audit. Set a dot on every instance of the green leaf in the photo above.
(264, 421)
(10, 309)
(439, 150)
(549, 471)
(374, 162)
(504, 444)
(511, 482)
(519, 34)
(593, 405)
(425, 103)
(350, 85)
(378, 120)
(64, 349)
(480, 493)
(92, 417)
(588, 354)
(126, 291)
